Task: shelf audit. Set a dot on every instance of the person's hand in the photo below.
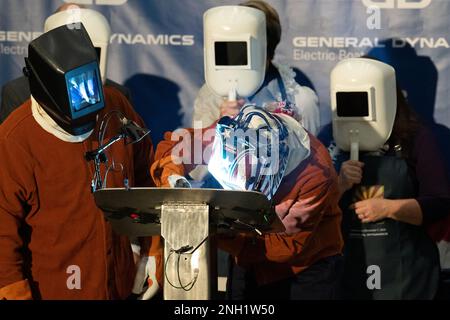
(231, 108)
(350, 174)
(373, 210)
(177, 181)
(146, 283)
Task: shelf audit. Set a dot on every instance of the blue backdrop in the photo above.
(157, 49)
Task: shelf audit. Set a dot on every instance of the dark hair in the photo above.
(273, 26)
(406, 123)
(406, 126)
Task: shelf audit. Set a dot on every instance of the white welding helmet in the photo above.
(235, 47)
(363, 103)
(95, 24)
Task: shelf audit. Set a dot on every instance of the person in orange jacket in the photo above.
(304, 262)
(55, 242)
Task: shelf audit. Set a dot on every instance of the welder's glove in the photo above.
(146, 283)
(177, 181)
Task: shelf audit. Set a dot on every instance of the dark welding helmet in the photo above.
(64, 76)
(250, 152)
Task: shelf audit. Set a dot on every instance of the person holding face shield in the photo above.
(55, 242)
(240, 43)
(393, 186)
(227, 42)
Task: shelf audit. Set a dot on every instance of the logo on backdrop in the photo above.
(338, 48)
(153, 39)
(16, 42)
(99, 2)
(397, 4)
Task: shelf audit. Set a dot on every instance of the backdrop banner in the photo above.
(156, 50)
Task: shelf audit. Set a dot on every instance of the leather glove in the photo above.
(177, 181)
(145, 283)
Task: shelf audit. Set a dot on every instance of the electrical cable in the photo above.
(179, 252)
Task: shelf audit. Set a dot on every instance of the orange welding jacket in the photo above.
(306, 203)
(55, 243)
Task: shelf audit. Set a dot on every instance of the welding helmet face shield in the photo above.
(64, 76)
(235, 50)
(250, 152)
(363, 103)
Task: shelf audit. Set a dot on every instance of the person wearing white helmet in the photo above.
(278, 84)
(16, 92)
(394, 186)
(271, 153)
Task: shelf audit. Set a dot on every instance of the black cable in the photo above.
(191, 283)
(186, 287)
(179, 252)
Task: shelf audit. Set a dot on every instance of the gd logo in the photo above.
(401, 4)
(99, 2)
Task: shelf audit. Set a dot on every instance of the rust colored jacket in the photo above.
(49, 223)
(306, 203)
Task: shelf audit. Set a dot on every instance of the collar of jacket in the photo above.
(49, 125)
